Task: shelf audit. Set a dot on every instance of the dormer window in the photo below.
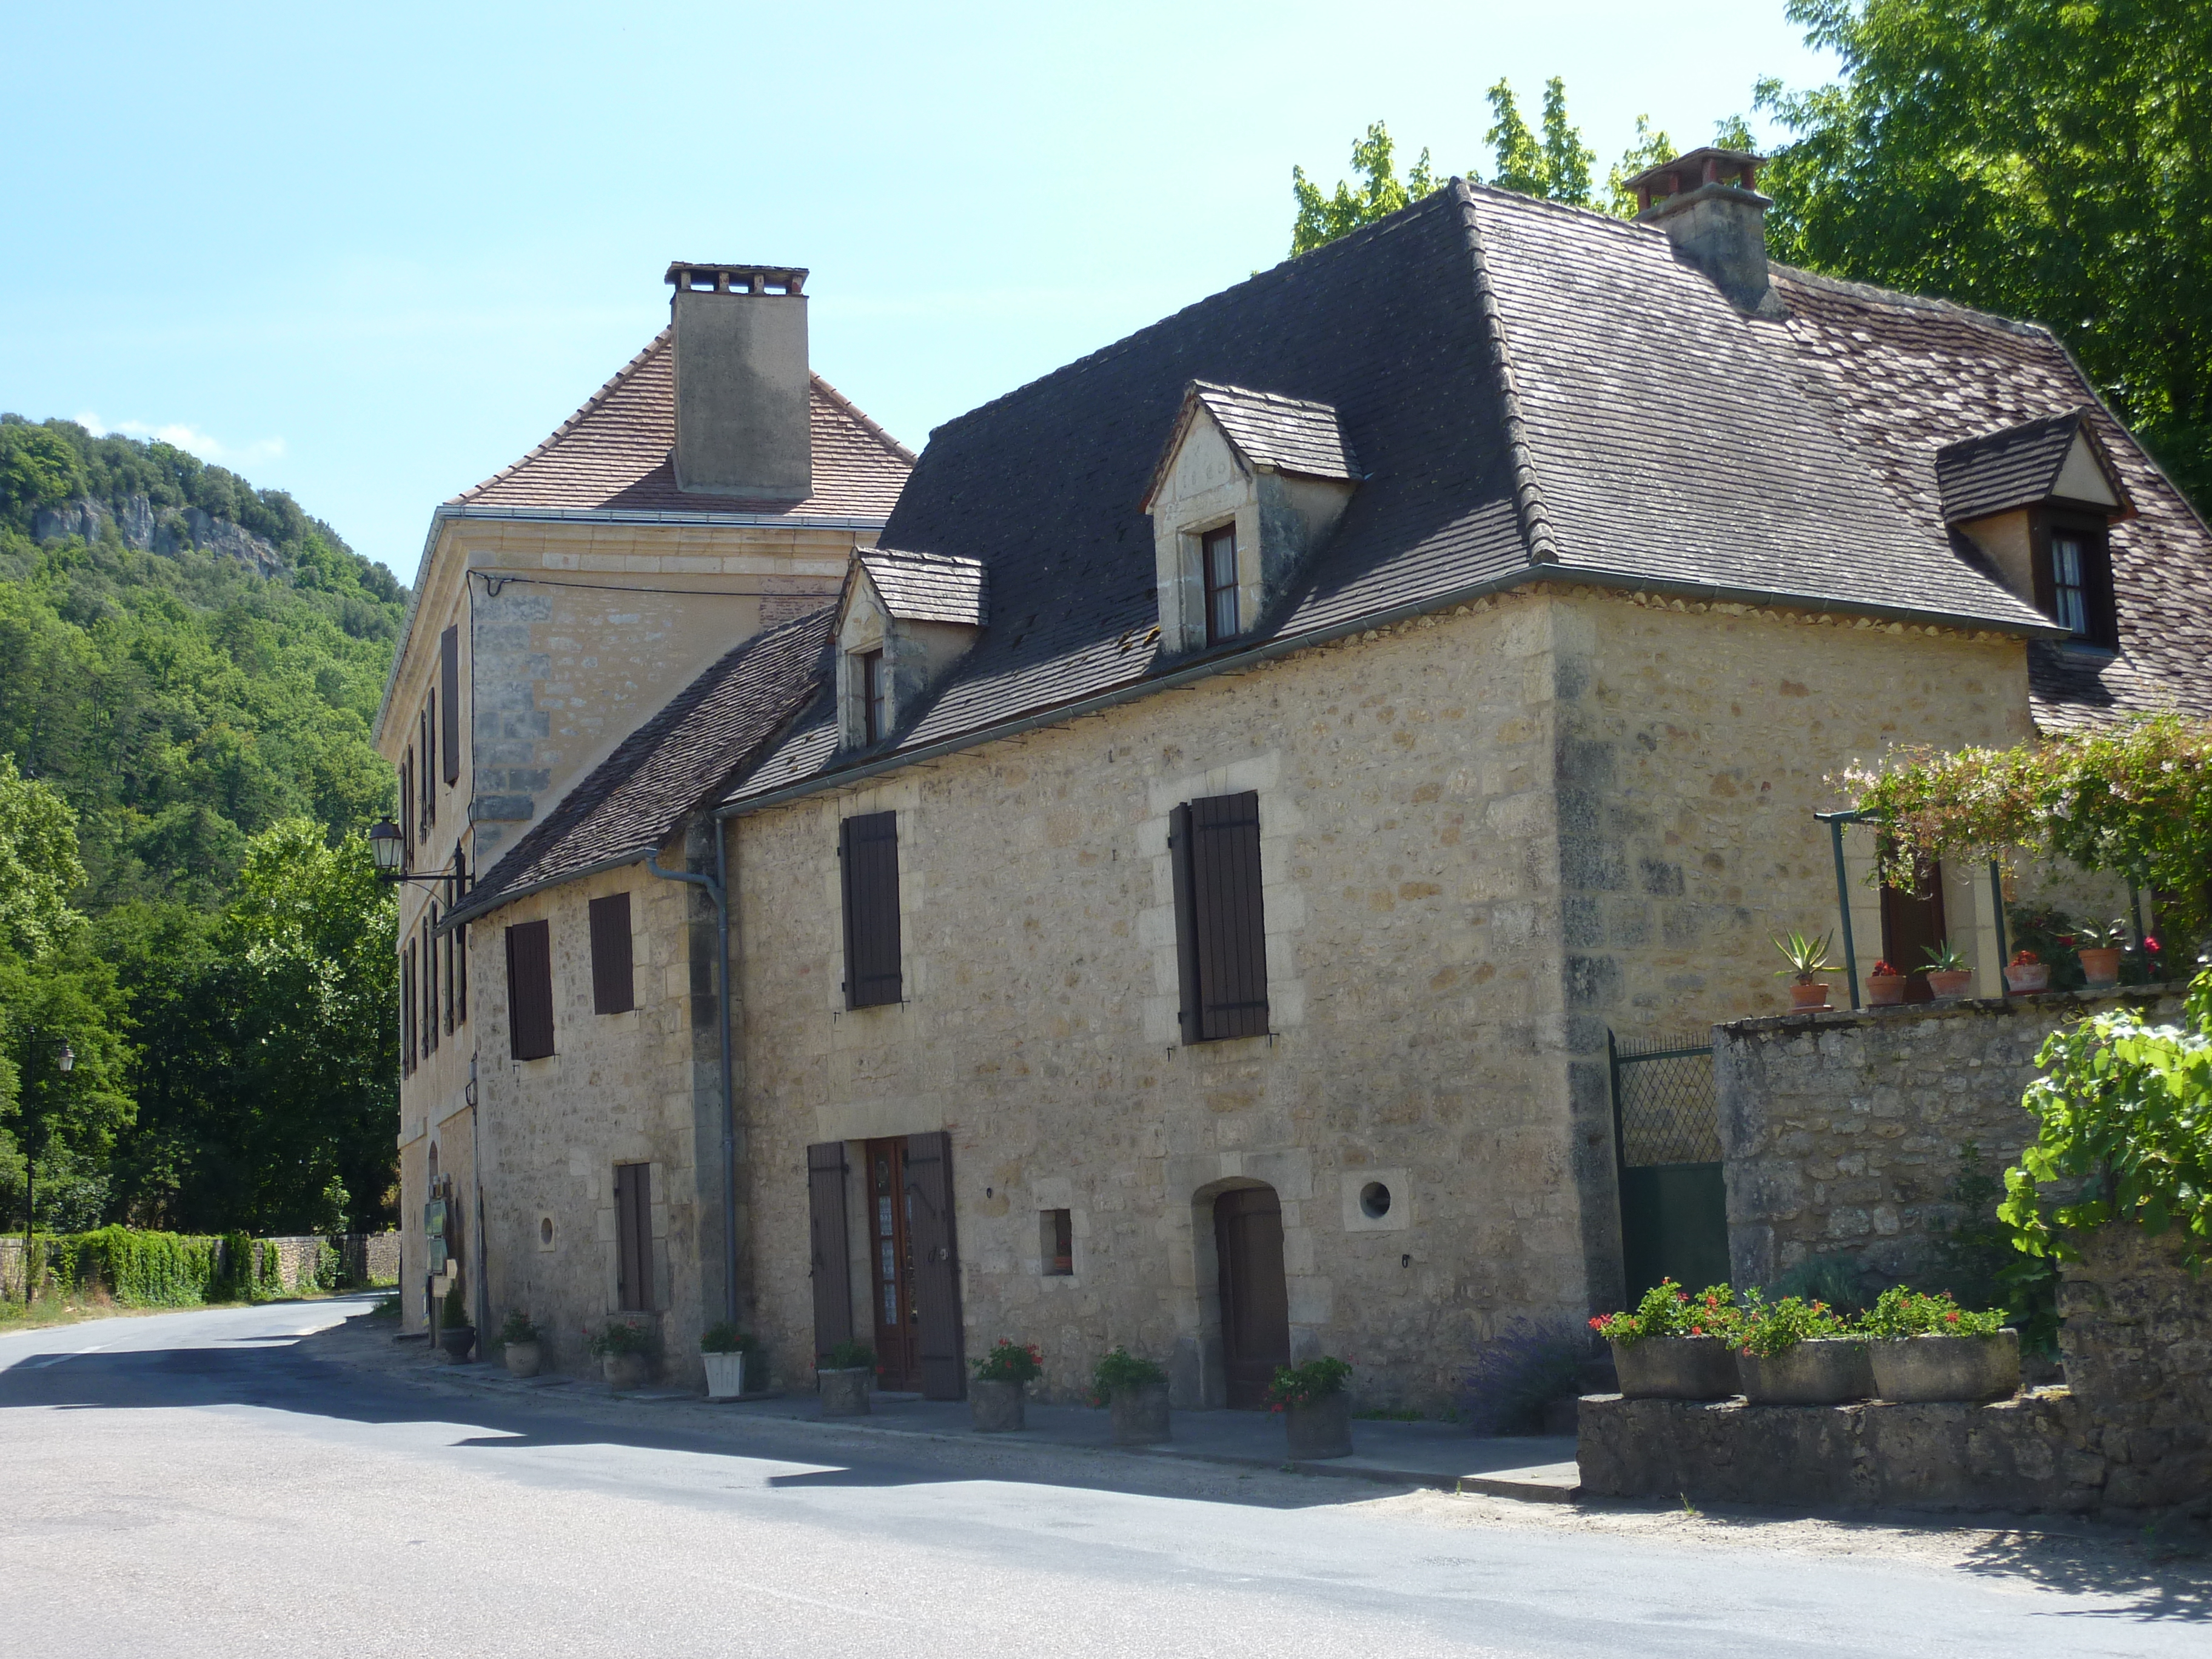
(2038, 501)
(1219, 556)
(1249, 484)
(905, 618)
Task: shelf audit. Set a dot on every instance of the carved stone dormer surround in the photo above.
(922, 612)
(1277, 468)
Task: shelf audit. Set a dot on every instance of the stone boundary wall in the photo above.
(363, 1258)
(2137, 1343)
(1842, 1131)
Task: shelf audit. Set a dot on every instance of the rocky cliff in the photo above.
(168, 531)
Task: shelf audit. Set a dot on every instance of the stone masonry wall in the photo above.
(1842, 1132)
(2137, 1342)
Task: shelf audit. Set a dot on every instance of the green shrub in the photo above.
(1009, 1362)
(1771, 1329)
(725, 1338)
(622, 1337)
(1834, 1279)
(1304, 1385)
(518, 1329)
(1122, 1372)
(453, 1312)
(850, 1355)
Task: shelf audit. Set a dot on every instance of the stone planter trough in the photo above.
(457, 1341)
(1320, 1428)
(1822, 1372)
(1917, 1369)
(725, 1375)
(1675, 1368)
(1139, 1414)
(845, 1393)
(624, 1371)
(523, 1359)
(995, 1405)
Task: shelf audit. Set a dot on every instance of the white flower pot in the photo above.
(725, 1375)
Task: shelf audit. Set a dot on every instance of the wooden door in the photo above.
(891, 1266)
(941, 1373)
(831, 1264)
(1911, 923)
(1255, 1305)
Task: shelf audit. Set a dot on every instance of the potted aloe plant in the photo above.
(1808, 959)
(1948, 976)
(1675, 1345)
(844, 1376)
(1317, 1411)
(2100, 949)
(518, 1341)
(994, 1398)
(624, 1351)
(2026, 973)
(1795, 1352)
(1928, 1347)
(1886, 985)
(729, 1354)
(1135, 1391)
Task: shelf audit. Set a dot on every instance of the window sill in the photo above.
(2083, 652)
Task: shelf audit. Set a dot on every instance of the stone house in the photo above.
(1182, 891)
(714, 487)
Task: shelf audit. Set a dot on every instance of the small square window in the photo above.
(1056, 1242)
(1217, 557)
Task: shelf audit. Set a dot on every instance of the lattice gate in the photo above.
(1667, 1146)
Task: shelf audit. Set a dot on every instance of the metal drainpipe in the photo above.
(716, 886)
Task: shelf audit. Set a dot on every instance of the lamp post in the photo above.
(388, 847)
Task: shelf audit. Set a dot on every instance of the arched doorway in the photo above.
(1255, 1304)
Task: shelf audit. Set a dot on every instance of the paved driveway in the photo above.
(200, 1484)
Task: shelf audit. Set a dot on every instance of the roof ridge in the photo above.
(1875, 293)
(605, 391)
(874, 426)
(1528, 490)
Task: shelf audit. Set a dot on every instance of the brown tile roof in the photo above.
(927, 586)
(613, 455)
(2014, 467)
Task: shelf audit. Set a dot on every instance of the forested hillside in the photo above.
(189, 668)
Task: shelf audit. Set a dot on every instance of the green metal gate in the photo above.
(1667, 1146)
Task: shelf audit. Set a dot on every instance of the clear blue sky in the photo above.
(371, 254)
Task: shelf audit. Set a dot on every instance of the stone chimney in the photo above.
(1706, 203)
(741, 382)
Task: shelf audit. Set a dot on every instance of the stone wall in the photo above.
(2137, 1342)
(1843, 1132)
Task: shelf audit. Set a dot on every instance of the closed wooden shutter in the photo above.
(634, 1236)
(1220, 928)
(449, 689)
(530, 990)
(936, 1264)
(461, 944)
(407, 1010)
(831, 1263)
(613, 991)
(867, 850)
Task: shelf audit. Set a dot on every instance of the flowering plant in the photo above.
(2026, 959)
(1009, 1362)
(621, 1337)
(850, 1355)
(1770, 1330)
(1903, 1312)
(518, 1329)
(1122, 1372)
(1883, 970)
(1667, 1309)
(725, 1338)
(1302, 1385)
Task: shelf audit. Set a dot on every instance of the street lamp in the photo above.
(67, 1058)
(388, 846)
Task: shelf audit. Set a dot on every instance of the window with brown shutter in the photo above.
(1221, 944)
(634, 1236)
(867, 850)
(530, 990)
(831, 1265)
(430, 981)
(407, 806)
(612, 989)
(426, 736)
(407, 1010)
(449, 687)
(460, 943)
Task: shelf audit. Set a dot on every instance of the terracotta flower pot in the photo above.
(1821, 1372)
(1805, 998)
(1141, 1415)
(1320, 1428)
(1675, 1368)
(523, 1359)
(2102, 966)
(995, 1405)
(2026, 978)
(1917, 1369)
(1949, 986)
(845, 1393)
(1886, 990)
(624, 1371)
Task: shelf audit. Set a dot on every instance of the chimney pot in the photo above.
(1708, 204)
(743, 383)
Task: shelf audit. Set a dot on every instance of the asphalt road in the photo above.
(193, 1484)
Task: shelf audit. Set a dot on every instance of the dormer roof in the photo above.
(927, 586)
(1266, 429)
(2058, 458)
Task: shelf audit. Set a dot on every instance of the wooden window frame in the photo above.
(530, 1028)
(1056, 1244)
(2100, 627)
(449, 686)
(634, 1263)
(1211, 591)
(868, 672)
(1221, 932)
(867, 860)
(614, 980)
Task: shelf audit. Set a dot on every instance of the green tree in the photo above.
(39, 865)
(38, 468)
(1324, 218)
(1555, 167)
(2045, 159)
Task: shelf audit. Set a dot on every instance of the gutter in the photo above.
(1271, 649)
(504, 895)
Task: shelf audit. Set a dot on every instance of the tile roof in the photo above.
(1266, 429)
(2014, 466)
(1911, 375)
(685, 754)
(613, 454)
(927, 586)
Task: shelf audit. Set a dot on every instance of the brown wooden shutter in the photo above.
(832, 1265)
(407, 806)
(613, 988)
(460, 943)
(449, 689)
(530, 990)
(407, 1010)
(1221, 930)
(867, 849)
(429, 982)
(634, 1236)
(429, 724)
(936, 1264)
